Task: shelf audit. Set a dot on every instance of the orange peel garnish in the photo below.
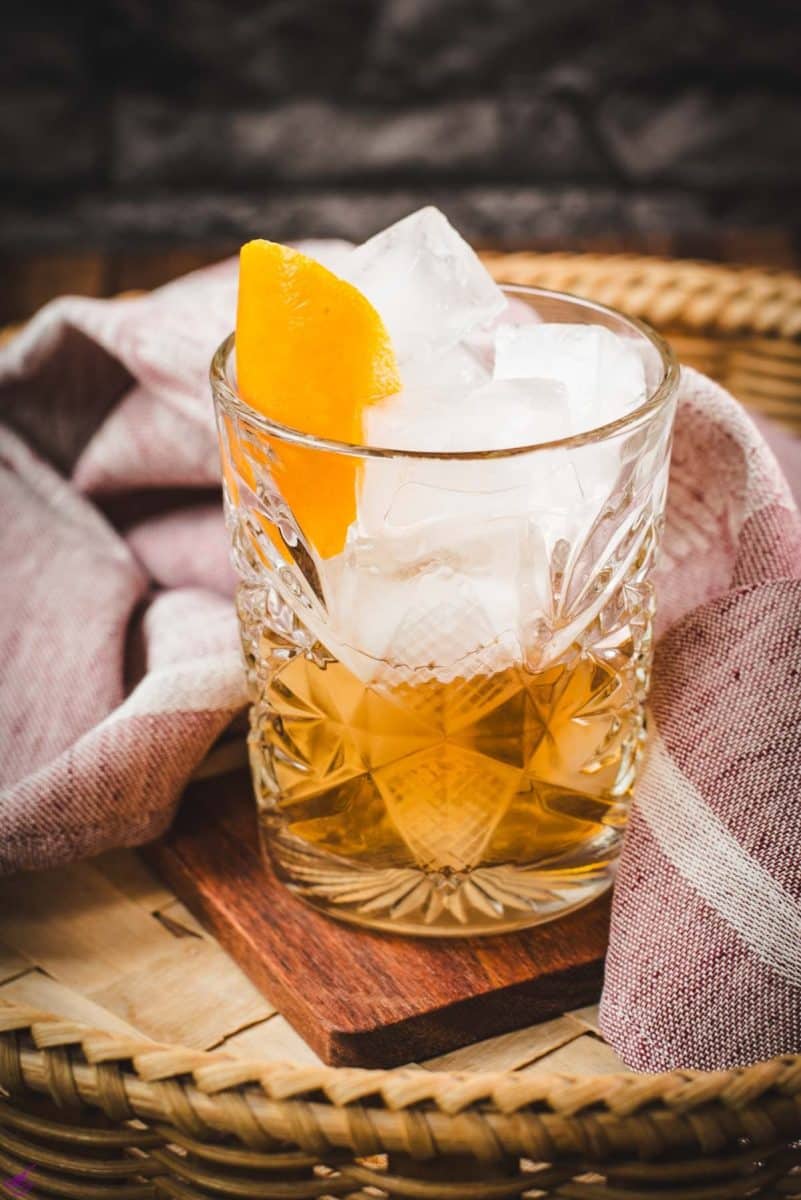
(311, 353)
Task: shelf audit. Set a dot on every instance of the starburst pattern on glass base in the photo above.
(406, 900)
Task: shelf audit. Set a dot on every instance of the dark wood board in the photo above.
(362, 998)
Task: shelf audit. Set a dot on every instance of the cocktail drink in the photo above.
(444, 503)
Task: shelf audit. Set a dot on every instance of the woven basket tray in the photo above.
(100, 1115)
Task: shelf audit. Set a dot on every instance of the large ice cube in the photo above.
(509, 413)
(481, 340)
(492, 415)
(450, 498)
(428, 285)
(445, 379)
(449, 601)
(603, 374)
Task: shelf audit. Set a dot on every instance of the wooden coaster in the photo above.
(361, 998)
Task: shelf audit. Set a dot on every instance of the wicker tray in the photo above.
(114, 1114)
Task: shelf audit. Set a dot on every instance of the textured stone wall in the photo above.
(134, 121)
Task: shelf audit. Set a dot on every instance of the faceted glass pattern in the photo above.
(424, 792)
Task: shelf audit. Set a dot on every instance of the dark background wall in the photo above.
(138, 123)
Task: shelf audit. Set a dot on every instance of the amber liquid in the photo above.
(488, 802)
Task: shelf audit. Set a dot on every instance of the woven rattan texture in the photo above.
(187, 1123)
(196, 1087)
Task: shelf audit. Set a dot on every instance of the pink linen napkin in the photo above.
(121, 663)
(117, 632)
(704, 961)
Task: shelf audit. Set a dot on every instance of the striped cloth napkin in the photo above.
(704, 961)
(121, 663)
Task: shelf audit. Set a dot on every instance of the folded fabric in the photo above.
(704, 962)
(121, 662)
(118, 635)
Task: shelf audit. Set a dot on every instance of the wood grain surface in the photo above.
(356, 997)
(60, 937)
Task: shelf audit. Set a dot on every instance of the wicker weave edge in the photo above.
(686, 294)
(550, 1117)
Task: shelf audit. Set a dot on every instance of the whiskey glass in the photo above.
(447, 717)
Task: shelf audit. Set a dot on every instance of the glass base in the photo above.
(410, 901)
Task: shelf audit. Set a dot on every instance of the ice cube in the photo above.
(402, 494)
(496, 415)
(481, 340)
(446, 379)
(604, 374)
(509, 413)
(444, 605)
(426, 282)
(456, 623)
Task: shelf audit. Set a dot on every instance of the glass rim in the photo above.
(225, 393)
